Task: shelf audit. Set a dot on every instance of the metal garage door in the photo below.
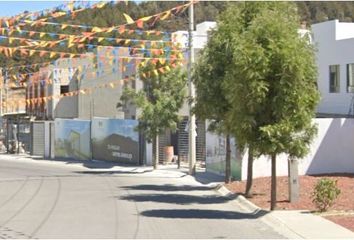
(37, 138)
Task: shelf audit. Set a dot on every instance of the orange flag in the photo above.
(121, 29)
(139, 23)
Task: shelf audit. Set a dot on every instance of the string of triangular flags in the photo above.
(73, 40)
(69, 60)
(122, 30)
(111, 84)
(10, 51)
(73, 7)
(98, 67)
(139, 22)
(43, 44)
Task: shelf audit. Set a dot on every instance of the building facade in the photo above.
(334, 42)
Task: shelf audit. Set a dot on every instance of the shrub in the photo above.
(325, 193)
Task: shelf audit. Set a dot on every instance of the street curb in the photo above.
(276, 224)
(239, 198)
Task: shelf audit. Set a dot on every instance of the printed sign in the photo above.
(72, 139)
(115, 140)
(216, 154)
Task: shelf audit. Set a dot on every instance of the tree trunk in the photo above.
(249, 182)
(156, 155)
(228, 160)
(273, 192)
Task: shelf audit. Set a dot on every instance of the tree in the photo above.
(211, 104)
(210, 75)
(271, 84)
(159, 101)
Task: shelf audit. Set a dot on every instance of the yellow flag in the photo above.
(43, 44)
(63, 26)
(128, 18)
(71, 39)
(162, 61)
(110, 29)
(42, 34)
(101, 5)
(166, 15)
(100, 39)
(96, 29)
(70, 6)
(52, 54)
(19, 29)
(31, 52)
(82, 39)
(10, 52)
(144, 19)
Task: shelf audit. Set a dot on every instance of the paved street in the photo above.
(41, 200)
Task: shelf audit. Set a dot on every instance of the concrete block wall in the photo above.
(332, 151)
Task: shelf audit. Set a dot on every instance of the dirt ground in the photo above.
(342, 212)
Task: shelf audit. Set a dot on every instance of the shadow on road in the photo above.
(91, 164)
(176, 198)
(111, 172)
(208, 177)
(201, 213)
(167, 188)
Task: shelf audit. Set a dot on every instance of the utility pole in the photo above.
(192, 125)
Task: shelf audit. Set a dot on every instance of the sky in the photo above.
(11, 8)
(14, 7)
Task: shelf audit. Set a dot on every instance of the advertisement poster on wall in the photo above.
(216, 154)
(115, 140)
(72, 139)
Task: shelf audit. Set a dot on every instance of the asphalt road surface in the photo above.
(49, 201)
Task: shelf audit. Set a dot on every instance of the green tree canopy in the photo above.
(159, 102)
(271, 80)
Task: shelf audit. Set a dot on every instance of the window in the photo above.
(350, 78)
(64, 89)
(334, 79)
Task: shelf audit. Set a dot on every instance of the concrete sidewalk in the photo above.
(309, 226)
(294, 224)
(291, 224)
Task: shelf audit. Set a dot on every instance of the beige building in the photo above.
(83, 88)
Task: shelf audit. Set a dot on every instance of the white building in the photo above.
(200, 36)
(334, 41)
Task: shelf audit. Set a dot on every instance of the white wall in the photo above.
(200, 36)
(335, 46)
(148, 154)
(332, 151)
(46, 139)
